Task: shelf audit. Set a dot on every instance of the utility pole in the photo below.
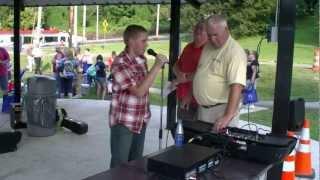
(71, 14)
(38, 31)
(75, 25)
(158, 17)
(84, 22)
(97, 25)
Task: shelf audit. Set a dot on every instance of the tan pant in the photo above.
(212, 114)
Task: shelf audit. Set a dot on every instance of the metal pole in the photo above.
(161, 109)
(286, 30)
(97, 25)
(71, 14)
(75, 25)
(277, 14)
(173, 56)
(158, 18)
(39, 25)
(16, 49)
(84, 22)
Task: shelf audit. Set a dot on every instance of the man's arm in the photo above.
(142, 88)
(232, 107)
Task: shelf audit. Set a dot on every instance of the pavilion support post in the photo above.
(16, 49)
(286, 30)
(173, 56)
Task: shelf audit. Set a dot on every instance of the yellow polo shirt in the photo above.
(217, 70)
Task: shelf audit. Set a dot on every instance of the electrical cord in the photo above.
(216, 172)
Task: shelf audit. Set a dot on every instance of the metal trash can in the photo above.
(40, 105)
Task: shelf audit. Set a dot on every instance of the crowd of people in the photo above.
(71, 69)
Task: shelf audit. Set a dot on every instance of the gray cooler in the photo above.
(40, 105)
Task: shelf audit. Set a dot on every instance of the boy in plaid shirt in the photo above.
(129, 111)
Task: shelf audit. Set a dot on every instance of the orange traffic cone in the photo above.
(303, 158)
(288, 166)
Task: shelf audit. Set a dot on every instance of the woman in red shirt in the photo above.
(185, 68)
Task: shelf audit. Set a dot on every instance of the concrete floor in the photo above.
(69, 156)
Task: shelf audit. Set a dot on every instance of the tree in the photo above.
(246, 17)
(56, 17)
(122, 15)
(6, 17)
(27, 18)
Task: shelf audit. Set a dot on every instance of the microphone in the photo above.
(151, 52)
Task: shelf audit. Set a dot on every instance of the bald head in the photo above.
(217, 29)
(218, 19)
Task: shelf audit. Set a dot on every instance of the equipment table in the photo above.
(229, 169)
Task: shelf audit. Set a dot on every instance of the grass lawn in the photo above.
(265, 118)
(305, 83)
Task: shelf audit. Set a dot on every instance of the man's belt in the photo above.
(211, 106)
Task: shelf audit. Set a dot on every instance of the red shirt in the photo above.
(188, 63)
(126, 108)
(109, 61)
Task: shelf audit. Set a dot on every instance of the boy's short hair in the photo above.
(132, 31)
(99, 57)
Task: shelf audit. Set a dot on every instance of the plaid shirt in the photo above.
(126, 108)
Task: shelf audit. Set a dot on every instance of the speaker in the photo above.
(9, 141)
(296, 114)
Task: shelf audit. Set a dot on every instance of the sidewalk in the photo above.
(308, 105)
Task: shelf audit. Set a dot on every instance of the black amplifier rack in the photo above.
(241, 143)
(184, 162)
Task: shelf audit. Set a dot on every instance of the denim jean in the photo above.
(125, 145)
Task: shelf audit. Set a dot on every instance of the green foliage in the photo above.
(301, 8)
(56, 17)
(122, 15)
(27, 18)
(6, 18)
(306, 7)
(245, 18)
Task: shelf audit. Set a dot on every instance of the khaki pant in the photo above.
(211, 114)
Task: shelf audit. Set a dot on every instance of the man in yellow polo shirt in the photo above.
(220, 76)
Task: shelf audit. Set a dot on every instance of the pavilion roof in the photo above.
(88, 2)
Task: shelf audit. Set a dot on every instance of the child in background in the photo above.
(101, 80)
